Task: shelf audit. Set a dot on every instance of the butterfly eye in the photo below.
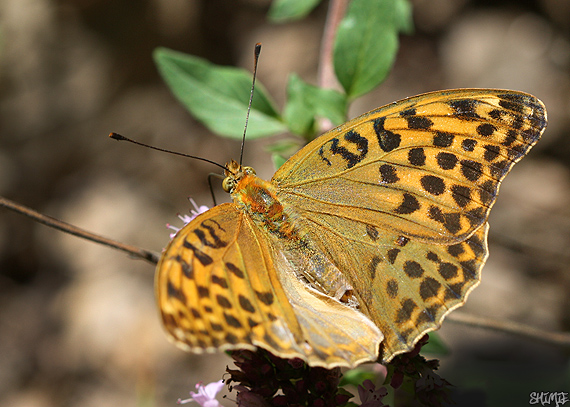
(228, 184)
(249, 170)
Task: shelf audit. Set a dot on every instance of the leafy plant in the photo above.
(364, 50)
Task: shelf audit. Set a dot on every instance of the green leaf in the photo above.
(286, 146)
(367, 41)
(289, 10)
(218, 96)
(278, 160)
(403, 16)
(305, 102)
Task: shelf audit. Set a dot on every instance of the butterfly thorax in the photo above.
(259, 199)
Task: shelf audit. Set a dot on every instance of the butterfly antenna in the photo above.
(117, 136)
(256, 59)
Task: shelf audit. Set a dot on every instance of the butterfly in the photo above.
(362, 242)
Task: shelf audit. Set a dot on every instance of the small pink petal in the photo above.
(206, 395)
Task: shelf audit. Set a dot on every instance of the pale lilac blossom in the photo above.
(206, 395)
(187, 218)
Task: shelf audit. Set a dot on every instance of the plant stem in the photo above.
(514, 328)
(134, 251)
(326, 75)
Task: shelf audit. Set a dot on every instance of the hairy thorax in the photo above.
(258, 198)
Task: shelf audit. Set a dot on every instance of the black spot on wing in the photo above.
(419, 123)
(373, 265)
(187, 268)
(235, 270)
(442, 139)
(202, 257)
(372, 232)
(405, 312)
(451, 221)
(432, 184)
(245, 304)
(456, 250)
(388, 174)
(446, 161)
(496, 114)
(468, 144)
(216, 327)
(491, 152)
(392, 288)
(476, 245)
(465, 108)
(487, 192)
(174, 292)
(265, 297)
(500, 168)
(408, 112)
(486, 129)
(335, 147)
(413, 269)
(510, 137)
(461, 195)
(448, 270)
(223, 301)
(410, 204)
(472, 170)
(513, 102)
(208, 234)
(393, 255)
(222, 282)
(429, 288)
(431, 256)
(203, 292)
(387, 140)
(232, 321)
(417, 156)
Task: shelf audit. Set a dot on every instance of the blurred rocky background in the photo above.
(78, 322)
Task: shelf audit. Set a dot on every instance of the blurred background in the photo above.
(78, 322)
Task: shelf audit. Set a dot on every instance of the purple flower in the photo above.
(247, 398)
(370, 396)
(188, 218)
(206, 395)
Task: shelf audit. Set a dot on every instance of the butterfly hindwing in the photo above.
(404, 286)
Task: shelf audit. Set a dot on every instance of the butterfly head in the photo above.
(234, 172)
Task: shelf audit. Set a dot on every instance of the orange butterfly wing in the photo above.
(398, 200)
(223, 284)
(375, 230)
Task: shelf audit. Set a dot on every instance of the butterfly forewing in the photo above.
(429, 166)
(398, 200)
(222, 285)
(209, 294)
